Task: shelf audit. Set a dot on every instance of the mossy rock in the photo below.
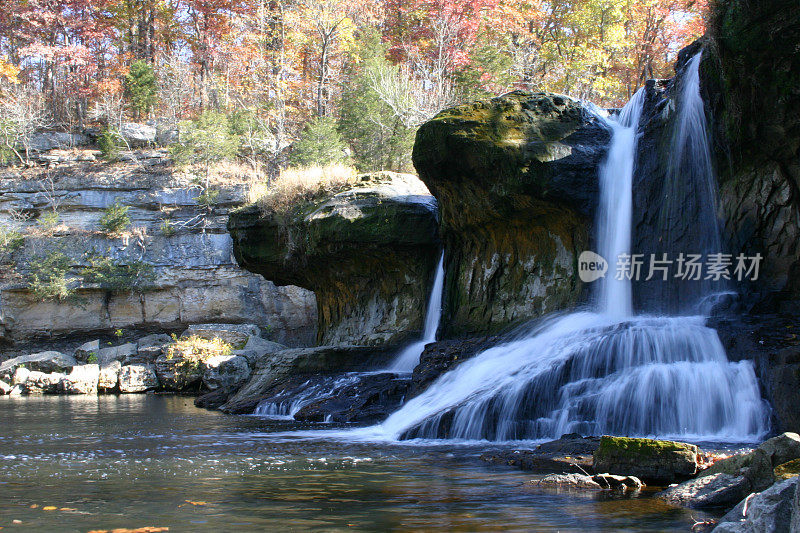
(368, 251)
(654, 461)
(787, 470)
(516, 178)
(640, 448)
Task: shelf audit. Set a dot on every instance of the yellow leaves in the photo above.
(190, 502)
(9, 71)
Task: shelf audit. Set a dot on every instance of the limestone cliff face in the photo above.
(187, 245)
(516, 181)
(368, 253)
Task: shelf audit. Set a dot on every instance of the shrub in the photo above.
(10, 241)
(194, 350)
(115, 218)
(47, 279)
(167, 229)
(141, 87)
(205, 141)
(320, 144)
(207, 198)
(118, 276)
(108, 143)
(49, 219)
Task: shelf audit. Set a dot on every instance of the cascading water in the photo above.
(598, 372)
(290, 402)
(409, 357)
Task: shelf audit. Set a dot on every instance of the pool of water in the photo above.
(98, 463)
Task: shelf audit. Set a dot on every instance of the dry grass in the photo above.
(298, 185)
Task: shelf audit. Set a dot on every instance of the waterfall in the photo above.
(616, 205)
(287, 403)
(407, 359)
(607, 371)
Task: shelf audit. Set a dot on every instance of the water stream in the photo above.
(289, 402)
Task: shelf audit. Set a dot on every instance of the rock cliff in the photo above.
(185, 244)
(368, 252)
(516, 181)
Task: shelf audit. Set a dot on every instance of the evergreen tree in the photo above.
(141, 88)
(378, 138)
(320, 143)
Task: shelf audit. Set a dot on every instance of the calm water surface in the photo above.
(142, 460)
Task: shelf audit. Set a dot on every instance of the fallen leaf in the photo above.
(67, 509)
(34, 506)
(50, 508)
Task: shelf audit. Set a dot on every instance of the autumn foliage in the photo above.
(290, 61)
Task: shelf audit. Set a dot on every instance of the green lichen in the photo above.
(787, 470)
(631, 448)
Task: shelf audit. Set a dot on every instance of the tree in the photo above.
(205, 141)
(378, 136)
(141, 88)
(320, 143)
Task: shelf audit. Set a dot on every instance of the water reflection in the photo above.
(134, 461)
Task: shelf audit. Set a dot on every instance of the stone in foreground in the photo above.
(654, 461)
(771, 510)
(83, 379)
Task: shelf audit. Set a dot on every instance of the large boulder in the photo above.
(42, 383)
(116, 353)
(51, 140)
(771, 510)
(137, 378)
(83, 379)
(716, 490)
(516, 178)
(108, 380)
(368, 252)
(178, 373)
(227, 372)
(758, 467)
(654, 461)
(137, 135)
(47, 362)
(236, 335)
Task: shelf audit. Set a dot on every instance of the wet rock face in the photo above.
(367, 252)
(516, 180)
(751, 81)
(439, 357)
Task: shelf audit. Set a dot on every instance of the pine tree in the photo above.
(141, 88)
(320, 143)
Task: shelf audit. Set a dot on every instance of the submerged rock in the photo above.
(275, 368)
(370, 398)
(576, 481)
(517, 182)
(770, 510)
(572, 453)
(368, 252)
(654, 461)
